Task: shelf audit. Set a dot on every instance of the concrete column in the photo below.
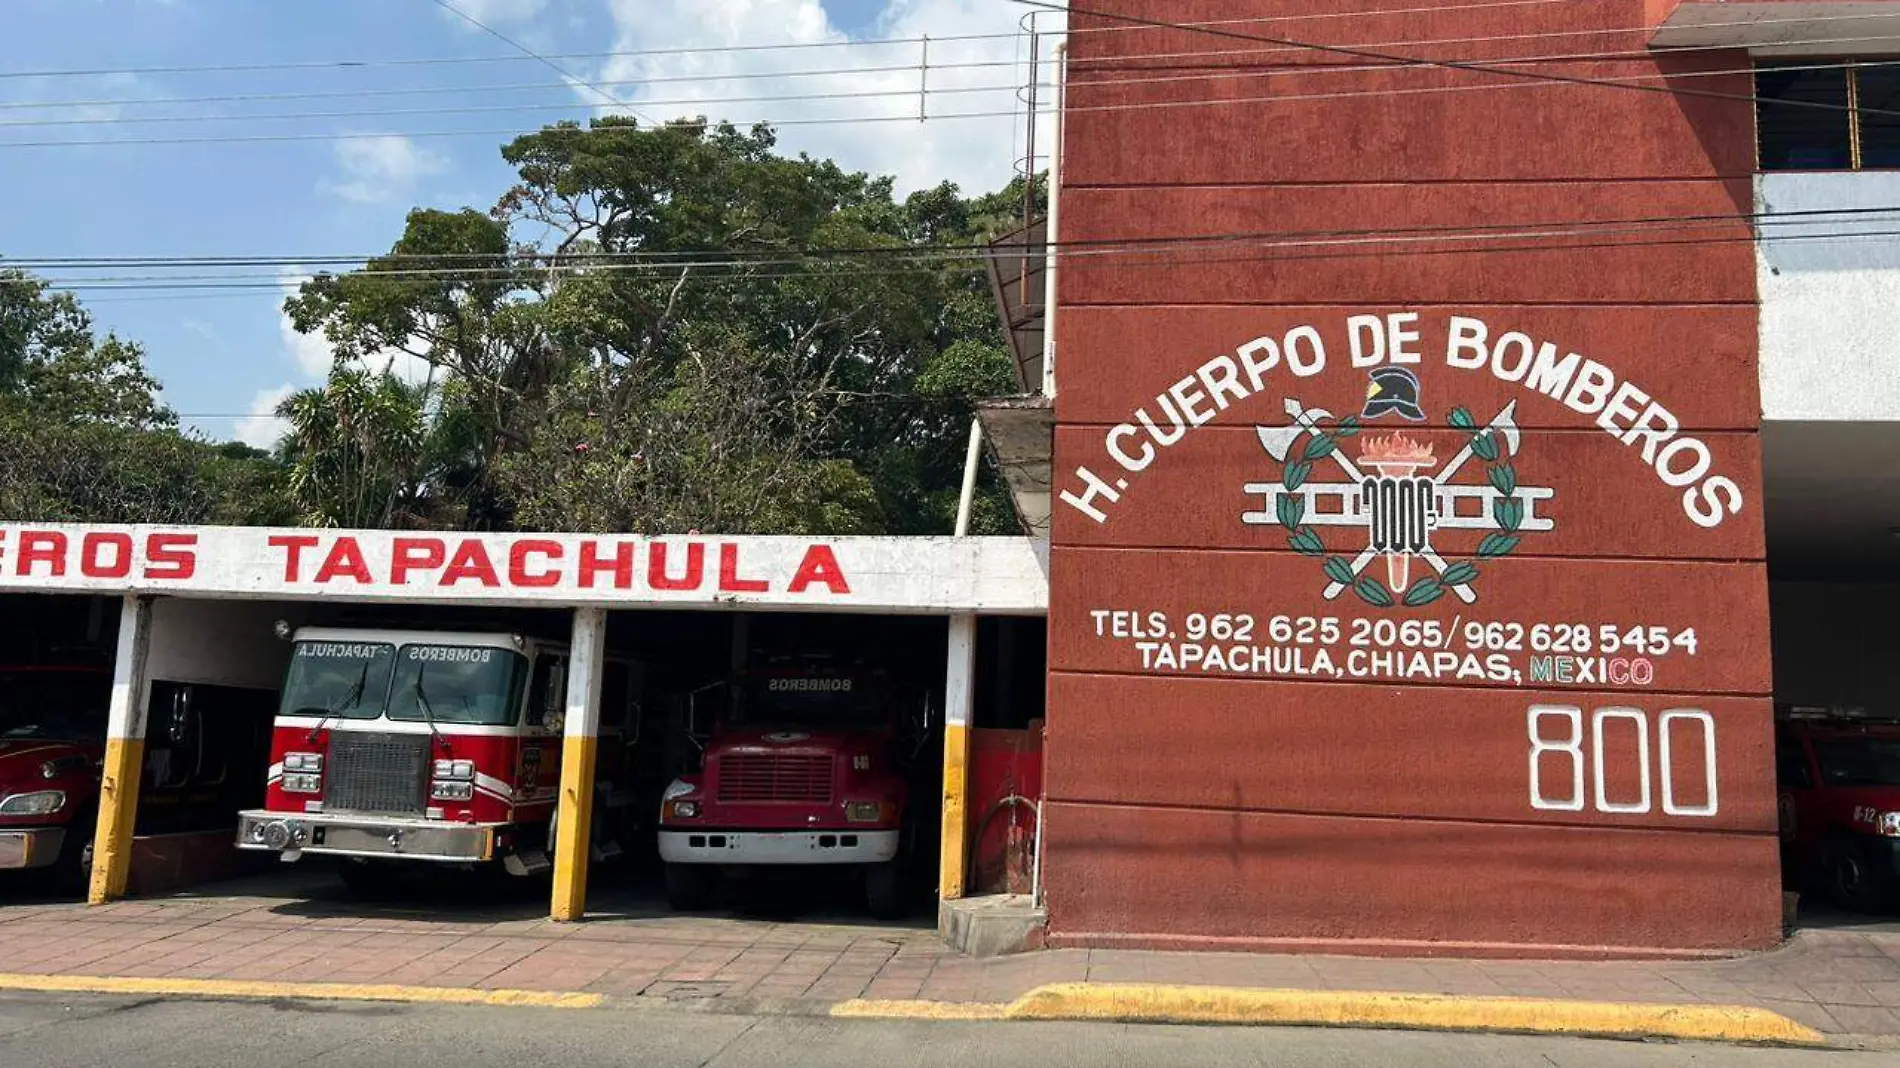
(959, 698)
(125, 754)
(581, 737)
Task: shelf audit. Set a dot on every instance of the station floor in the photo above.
(1839, 974)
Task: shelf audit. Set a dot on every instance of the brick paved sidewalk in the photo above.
(1843, 979)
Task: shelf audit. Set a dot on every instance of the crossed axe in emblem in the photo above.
(1279, 442)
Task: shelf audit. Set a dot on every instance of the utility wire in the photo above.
(1108, 63)
(703, 259)
(543, 60)
(1530, 80)
(1465, 66)
(909, 94)
(1169, 257)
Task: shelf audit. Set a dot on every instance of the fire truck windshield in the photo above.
(1859, 762)
(341, 679)
(470, 684)
(64, 705)
(812, 701)
(457, 684)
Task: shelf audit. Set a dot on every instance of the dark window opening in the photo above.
(1877, 104)
(1828, 115)
(1804, 119)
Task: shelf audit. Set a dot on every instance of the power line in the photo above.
(703, 259)
(1159, 254)
(1642, 53)
(431, 90)
(543, 60)
(501, 108)
(907, 94)
(1529, 80)
(358, 64)
(1454, 64)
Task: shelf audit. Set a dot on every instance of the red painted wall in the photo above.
(1566, 747)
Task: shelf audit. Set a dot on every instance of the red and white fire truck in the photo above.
(808, 765)
(439, 747)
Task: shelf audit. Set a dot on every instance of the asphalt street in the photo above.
(40, 1031)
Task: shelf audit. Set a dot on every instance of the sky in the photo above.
(341, 171)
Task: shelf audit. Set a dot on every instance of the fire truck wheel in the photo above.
(71, 874)
(689, 887)
(1852, 880)
(884, 890)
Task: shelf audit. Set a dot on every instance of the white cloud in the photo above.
(263, 427)
(978, 154)
(311, 352)
(376, 168)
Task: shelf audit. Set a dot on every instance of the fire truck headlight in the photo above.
(455, 770)
(36, 803)
(863, 811)
(303, 762)
(303, 783)
(452, 791)
(685, 810)
(1888, 825)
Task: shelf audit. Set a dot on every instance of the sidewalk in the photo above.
(1841, 980)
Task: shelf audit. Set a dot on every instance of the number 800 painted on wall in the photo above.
(1570, 743)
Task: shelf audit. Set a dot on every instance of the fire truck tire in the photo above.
(71, 873)
(884, 890)
(1853, 880)
(689, 887)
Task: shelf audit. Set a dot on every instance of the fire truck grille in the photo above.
(376, 773)
(766, 777)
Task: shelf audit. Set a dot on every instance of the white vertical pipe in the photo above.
(971, 458)
(1052, 233)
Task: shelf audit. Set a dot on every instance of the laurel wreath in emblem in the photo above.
(1507, 511)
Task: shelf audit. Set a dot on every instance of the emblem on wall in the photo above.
(1397, 489)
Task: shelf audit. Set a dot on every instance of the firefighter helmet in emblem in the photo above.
(1400, 491)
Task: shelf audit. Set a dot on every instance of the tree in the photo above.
(701, 333)
(51, 361)
(83, 437)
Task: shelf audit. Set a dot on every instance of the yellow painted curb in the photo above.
(866, 1009)
(1147, 1003)
(242, 988)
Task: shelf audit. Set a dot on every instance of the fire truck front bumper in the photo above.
(768, 847)
(353, 835)
(30, 847)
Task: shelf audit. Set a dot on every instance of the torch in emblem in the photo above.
(1400, 504)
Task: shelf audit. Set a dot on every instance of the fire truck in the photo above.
(808, 764)
(1839, 785)
(200, 764)
(393, 748)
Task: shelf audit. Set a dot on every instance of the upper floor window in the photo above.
(1828, 115)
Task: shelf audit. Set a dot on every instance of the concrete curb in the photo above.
(1126, 1003)
(240, 988)
(1148, 1003)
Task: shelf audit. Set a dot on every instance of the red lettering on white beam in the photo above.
(101, 554)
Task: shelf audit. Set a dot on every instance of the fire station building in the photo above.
(1449, 432)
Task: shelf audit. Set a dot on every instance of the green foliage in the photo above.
(655, 329)
(83, 437)
(94, 472)
(695, 340)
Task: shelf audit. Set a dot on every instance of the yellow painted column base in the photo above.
(956, 817)
(118, 809)
(573, 828)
